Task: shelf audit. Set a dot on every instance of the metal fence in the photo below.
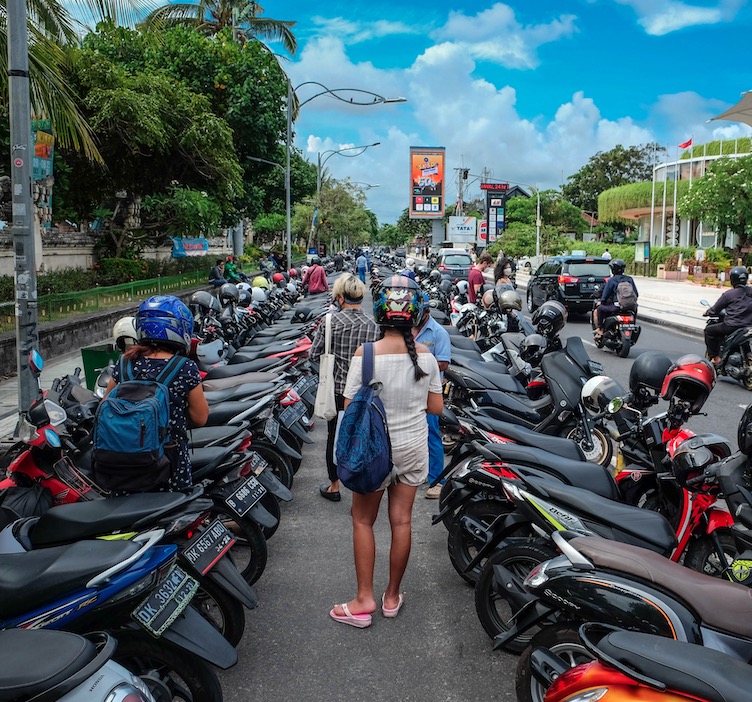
(53, 307)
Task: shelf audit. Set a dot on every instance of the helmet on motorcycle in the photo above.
(315, 261)
(445, 286)
(648, 372)
(462, 287)
(244, 286)
(738, 276)
(258, 295)
(434, 276)
(549, 319)
(617, 266)
(260, 282)
(489, 300)
(532, 348)
(228, 293)
(164, 320)
(204, 301)
(744, 432)
(689, 380)
(211, 352)
(597, 392)
(398, 303)
(293, 273)
(278, 278)
(292, 288)
(510, 300)
(691, 459)
(303, 270)
(485, 288)
(125, 332)
(244, 297)
(302, 314)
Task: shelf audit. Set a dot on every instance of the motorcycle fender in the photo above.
(529, 616)
(285, 448)
(719, 519)
(272, 483)
(226, 575)
(511, 586)
(460, 454)
(301, 433)
(191, 632)
(499, 529)
(458, 498)
(262, 516)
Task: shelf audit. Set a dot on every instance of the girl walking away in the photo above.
(164, 326)
(411, 386)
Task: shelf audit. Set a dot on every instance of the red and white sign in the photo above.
(482, 229)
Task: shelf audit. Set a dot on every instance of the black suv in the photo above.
(575, 281)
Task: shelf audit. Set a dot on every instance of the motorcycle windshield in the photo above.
(565, 379)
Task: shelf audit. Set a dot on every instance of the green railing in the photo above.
(53, 307)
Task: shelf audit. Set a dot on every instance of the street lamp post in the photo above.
(337, 94)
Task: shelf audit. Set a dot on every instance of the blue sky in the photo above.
(529, 90)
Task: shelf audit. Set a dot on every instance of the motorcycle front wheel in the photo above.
(602, 451)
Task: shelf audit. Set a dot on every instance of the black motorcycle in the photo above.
(620, 333)
(736, 351)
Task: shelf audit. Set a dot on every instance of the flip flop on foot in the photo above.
(391, 613)
(360, 621)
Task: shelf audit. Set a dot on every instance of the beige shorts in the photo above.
(409, 467)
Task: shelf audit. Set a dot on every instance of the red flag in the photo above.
(686, 144)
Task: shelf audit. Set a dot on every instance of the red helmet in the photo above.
(689, 380)
(293, 273)
(278, 278)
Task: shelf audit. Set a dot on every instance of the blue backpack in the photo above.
(364, 452)
(132, 432)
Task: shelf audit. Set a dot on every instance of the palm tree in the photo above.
(210, 16)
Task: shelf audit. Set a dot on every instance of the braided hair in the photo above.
(407, 335)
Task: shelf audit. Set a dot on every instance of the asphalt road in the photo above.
(435, 650)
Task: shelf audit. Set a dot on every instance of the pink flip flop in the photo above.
(360, 621)
(391, 613)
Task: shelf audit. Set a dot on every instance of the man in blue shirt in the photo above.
(362, 266)
(431, 334)
(609, 304)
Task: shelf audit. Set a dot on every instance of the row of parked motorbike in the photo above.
(564, 553)
(150, 590)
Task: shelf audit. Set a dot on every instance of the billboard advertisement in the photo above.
(461, 229)
(496, 200)
(427, 173)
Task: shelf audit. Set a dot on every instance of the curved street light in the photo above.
(336, 93)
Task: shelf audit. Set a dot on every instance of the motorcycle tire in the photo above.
(249, 553)
(702, 557)
(279, 464)
(603, 449)
(462, 546)
(169, 672)
(531, 306)
(221, 610)
(747, 380)
(494, 612)
(626, 345)
(562, 639)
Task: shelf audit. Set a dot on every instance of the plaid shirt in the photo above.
(350, 329)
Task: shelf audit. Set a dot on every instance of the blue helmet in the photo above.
(165, 320)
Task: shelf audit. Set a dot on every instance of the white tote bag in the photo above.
(325, 406)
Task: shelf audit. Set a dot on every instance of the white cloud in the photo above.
(495, 35)
(659, 17)
(355, 32)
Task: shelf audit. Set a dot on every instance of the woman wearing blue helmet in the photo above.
(164, 325)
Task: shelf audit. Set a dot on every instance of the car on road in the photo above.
(575, 281)
(454, 264)
(400, 252)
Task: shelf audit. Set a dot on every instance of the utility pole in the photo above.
(461, 194)
(27, 336)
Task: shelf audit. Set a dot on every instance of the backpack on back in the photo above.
(626, 297)
(364, 452)
(132, 431)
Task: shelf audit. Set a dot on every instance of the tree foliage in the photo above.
(723, 198)
(609, 169)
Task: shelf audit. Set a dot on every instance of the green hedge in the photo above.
(611, 203)
(743, 145)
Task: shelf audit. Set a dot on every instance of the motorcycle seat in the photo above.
(204, 437)
(265, 348)
(579, 474)
(244, 355)
(222, 383)
(35, 661)
(84, 520)
(222, 413)
(28, 581)
(720, 604)
(491, 369)
(699, 671)
(643, 527)
(453, 331)
(469, 354)
(246, 390)
(562, 447)
(236, 369)
(463, 342)
(209, 457)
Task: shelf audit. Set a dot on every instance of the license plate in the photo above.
(247, 495)
(271, 429)
(292, 414)
(588, 288)
(258, 463)
(304, 384)
(164, 605)
(208, 546)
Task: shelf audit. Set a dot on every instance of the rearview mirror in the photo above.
(615, 405)
(704, 303)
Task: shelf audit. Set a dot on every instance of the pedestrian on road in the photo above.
(339, 261)
(361, 264)
(351, 328)
(411, 387)
(315, 277)
(738, 305)
(503, 276)
(609, 303)
(475, 278)
(436, 339)
(606, 255)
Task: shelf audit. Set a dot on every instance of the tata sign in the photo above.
(462, 229)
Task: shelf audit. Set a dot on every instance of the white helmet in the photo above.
(463, 287)
(303, 270)
(125, 333)
(410, 263)
(258, 295)
(243, 286)
(292, 288)
(598, 391)
(209, 353)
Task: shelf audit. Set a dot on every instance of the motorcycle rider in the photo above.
(609, 304)
(738, 305)
(315, 277)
